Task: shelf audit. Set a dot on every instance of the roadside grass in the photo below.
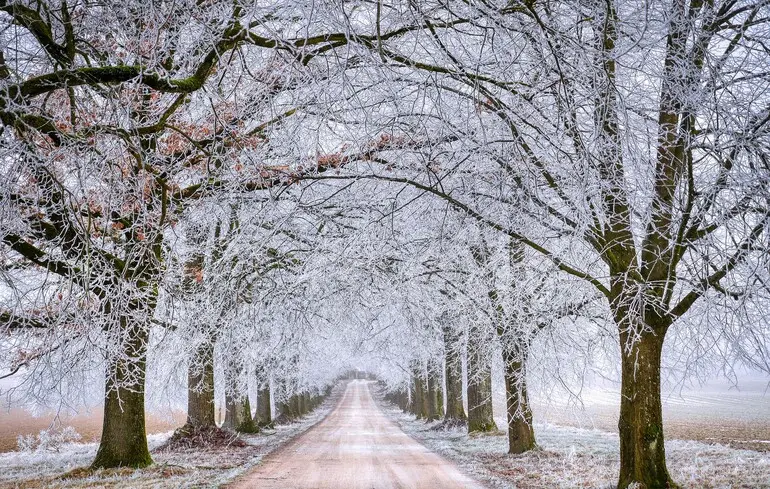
(67, 467)
(577, 458)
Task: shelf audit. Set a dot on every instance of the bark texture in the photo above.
(306, 406)
(286, 404)
(521, 434)
(263, 416)
(244, 423)
(124, 438)
(237, 405)
(200, 388)
(479, 391)
(642, 450)
(435, 394)
(296, 405)
(419, 394)
(455, 411)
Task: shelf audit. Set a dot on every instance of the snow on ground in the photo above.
(572, 458)
(717, 411)
(44, 468)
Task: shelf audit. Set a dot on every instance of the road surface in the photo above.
(355, 447)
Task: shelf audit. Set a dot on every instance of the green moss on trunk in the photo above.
(642, 449)
(479, 391)
(245, 423)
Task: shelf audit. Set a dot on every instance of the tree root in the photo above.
(196, 437)
(449, 424)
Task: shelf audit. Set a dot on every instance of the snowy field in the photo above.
(572, 458)
(718, 411)
(62, 466)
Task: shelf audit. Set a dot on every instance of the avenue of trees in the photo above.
(244, 200)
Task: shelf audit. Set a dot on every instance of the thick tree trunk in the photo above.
(521, 434)
(296, 405)
(479, 392)
(404, 398)
(315, 401)
(244, 423)
(425, 407)
(238, 413)
(200, 370)
(263, 416)
(420, 398)
(285, 404)
(200, 387)
(306, 407)
(230, 406)
(237, 406)
(455, 412)
(124, 439)
(480, 415)
(401, 398)
(284, 412)
(232, 398)
(434, 393)
(642, 450)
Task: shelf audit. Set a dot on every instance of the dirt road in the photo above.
(355, 447)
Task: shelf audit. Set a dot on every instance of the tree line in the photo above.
(208, 179)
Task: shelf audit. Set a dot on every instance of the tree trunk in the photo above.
(237, 406)
(419, 400)
(398, 397)
(455, 412)
(425, 407)
(263, 416)
(315, 401)
(480, 416)
(306, 407)
(440, 395)
(284, 412)
(200, 387)
(434, 392)
(410, 398)
(244, 423)
(296, 403)
(642, 450)
(124, 438)
(404, 400)
(521, 435)
(285, 405)
(230, 406)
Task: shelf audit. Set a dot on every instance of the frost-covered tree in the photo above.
(633, 135)
(116, 117)
(619, 143)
